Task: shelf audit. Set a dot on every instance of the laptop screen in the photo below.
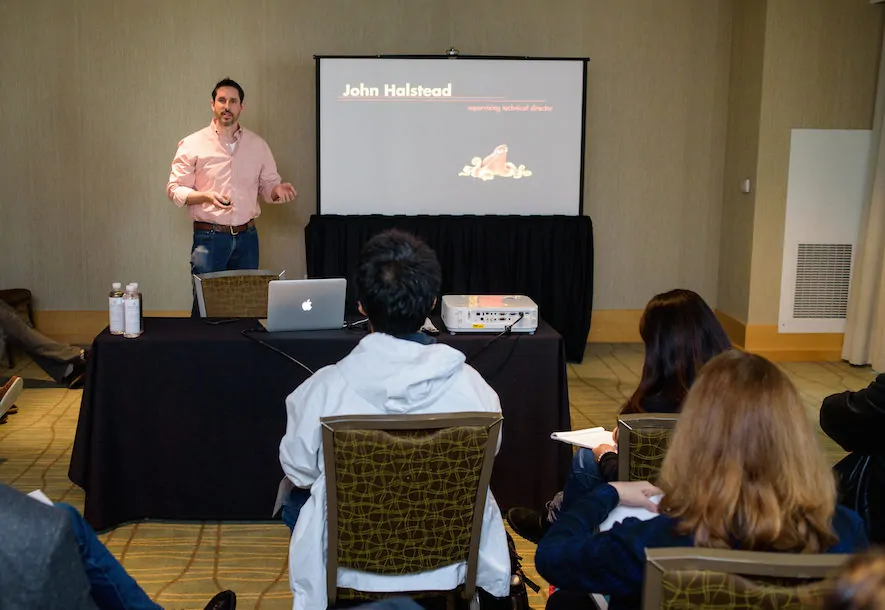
(312, 304)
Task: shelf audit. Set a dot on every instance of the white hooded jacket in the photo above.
(382, 375)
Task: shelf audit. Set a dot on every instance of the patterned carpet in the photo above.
(181, 565)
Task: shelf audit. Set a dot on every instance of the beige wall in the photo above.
(97, 93)
(820, 69)
(744, 100)
(656, 131)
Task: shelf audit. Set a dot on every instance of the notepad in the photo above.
(623, 512)
(589, 437)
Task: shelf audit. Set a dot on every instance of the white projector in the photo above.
(484, 313)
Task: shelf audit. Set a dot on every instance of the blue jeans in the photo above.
(292, 506)
(583, 478)
(112, 587)
(392, 603)
(221, 251)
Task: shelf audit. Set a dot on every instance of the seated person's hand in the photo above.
(637, 493)
(600, 450)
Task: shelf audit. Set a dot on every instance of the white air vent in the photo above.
(823, 272)
(826, 188)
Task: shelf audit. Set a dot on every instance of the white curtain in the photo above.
(865, 326)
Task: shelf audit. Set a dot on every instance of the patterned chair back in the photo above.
(643, 439)
(234, 294)
(683, 578)
(406, 493)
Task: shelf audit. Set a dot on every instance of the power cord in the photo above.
(508, 330)
(249, 334)
(358, 325)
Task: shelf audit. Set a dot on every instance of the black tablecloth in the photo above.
(185, 421)
(548, 258)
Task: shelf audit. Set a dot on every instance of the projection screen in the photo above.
(435, 135)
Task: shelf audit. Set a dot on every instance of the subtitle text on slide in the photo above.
(510, 108)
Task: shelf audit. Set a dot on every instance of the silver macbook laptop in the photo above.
(305, 304)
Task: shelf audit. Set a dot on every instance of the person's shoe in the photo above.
(528, 523)
(226, 600)
(10, 392)
(77, 376)
(12, 410)
(76, 381)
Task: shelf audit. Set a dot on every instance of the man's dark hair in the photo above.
(227, 82)
(397, 280)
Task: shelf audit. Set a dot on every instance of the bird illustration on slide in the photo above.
(494, 166)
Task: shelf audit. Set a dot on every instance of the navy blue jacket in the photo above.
(571, 556)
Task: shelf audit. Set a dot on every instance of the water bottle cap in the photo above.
(135, 286)
(130, 287)
(116, 285)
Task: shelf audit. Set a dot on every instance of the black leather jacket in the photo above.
(856, 420)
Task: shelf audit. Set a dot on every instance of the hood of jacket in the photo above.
(400, 375)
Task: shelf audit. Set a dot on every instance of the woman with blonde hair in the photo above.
(744, 471)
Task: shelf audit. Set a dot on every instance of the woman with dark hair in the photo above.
(681, 333)
(744, 471)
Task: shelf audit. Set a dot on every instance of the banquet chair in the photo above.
(682, 578)
(406, 494)
(239, 293)
(643, 439)
(21, 301)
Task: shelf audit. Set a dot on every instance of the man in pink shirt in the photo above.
(218, 173)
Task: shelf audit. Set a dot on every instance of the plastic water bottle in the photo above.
(140, 305)
(115, 309)
(132, 311)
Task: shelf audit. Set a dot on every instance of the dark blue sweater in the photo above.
(571, 556)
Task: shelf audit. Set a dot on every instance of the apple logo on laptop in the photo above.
(306, 305)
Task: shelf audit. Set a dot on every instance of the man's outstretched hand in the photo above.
(283, 192)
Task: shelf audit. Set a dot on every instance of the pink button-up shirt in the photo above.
(240, 169)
